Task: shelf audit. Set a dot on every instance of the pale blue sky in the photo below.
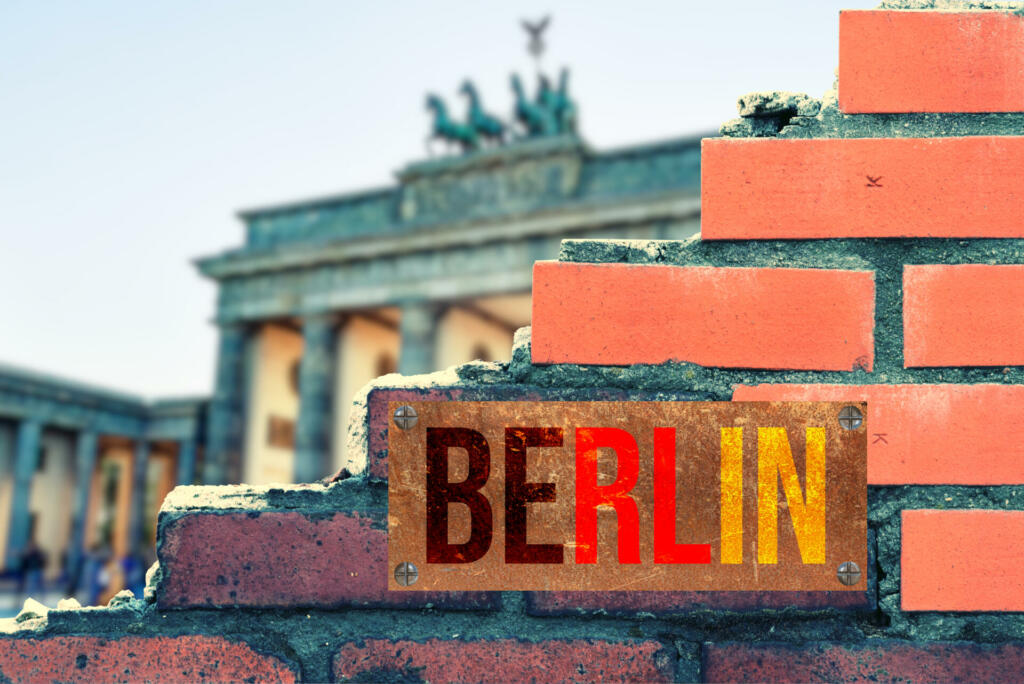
(131, 132)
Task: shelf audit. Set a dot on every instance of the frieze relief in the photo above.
(500, 186)
(291, 292)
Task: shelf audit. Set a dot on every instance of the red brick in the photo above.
(928, 434)
(794, 189)
(967, 315)
(893, 61)
(962, 560)
(620, 314)
(286, 559)
(505, 660)
(877, 661)
(190, 658)
(677, 602)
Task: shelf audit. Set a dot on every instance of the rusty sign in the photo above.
(604, 496)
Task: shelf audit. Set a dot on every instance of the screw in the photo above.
(848, 573)
(405, 417)
(850, 417)
(406, 574)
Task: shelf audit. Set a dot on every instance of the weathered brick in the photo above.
(772, 188)
(875, 661)
(286, 559)
(928, 434)
(189, 658)
(620, 314)
(964, 315)
(893, 61)
(962, 560)
(505, 660)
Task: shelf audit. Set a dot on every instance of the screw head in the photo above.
(405, 417)
(406, 574)
(848, 573)
(850, 418)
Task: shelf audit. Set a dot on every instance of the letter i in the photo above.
(732, 496)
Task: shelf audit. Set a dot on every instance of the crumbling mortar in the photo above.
(884, 506)
(830, 122)
(352, 624)
(1007, 6)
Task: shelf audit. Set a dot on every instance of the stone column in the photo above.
(226, 422)
(26, 460)
(86, 451)
(137, 512)
(418, 329)
(316, 388)
(186, 462)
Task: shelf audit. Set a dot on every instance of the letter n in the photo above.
(775, 461)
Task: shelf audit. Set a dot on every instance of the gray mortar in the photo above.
(829, 122)
(884, 506)
(313, 499)
(953, 5)
(777, 103)
(754, 127)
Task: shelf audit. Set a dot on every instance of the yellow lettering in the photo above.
(732, 496)
(775, 460)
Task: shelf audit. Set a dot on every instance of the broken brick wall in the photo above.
(868, 246)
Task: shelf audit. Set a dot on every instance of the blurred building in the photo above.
(84, 467)
(323, 296)
(327, 294)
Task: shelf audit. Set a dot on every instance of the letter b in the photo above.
(441, 492)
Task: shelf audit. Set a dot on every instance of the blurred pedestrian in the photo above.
(92, 578)
(134, 574)
(30, 569)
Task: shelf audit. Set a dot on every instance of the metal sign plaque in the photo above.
(605, 496)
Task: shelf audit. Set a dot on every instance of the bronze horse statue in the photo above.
(557, 102)
(563, 107)
(487, 126)
(535, 117)
(552, 112)
(464, 135)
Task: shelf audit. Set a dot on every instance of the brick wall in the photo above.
(866, 247)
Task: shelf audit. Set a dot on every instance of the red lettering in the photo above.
(589, 495)
(666, 550)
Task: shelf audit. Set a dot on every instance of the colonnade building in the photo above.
(84, 467)
(434, 271)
